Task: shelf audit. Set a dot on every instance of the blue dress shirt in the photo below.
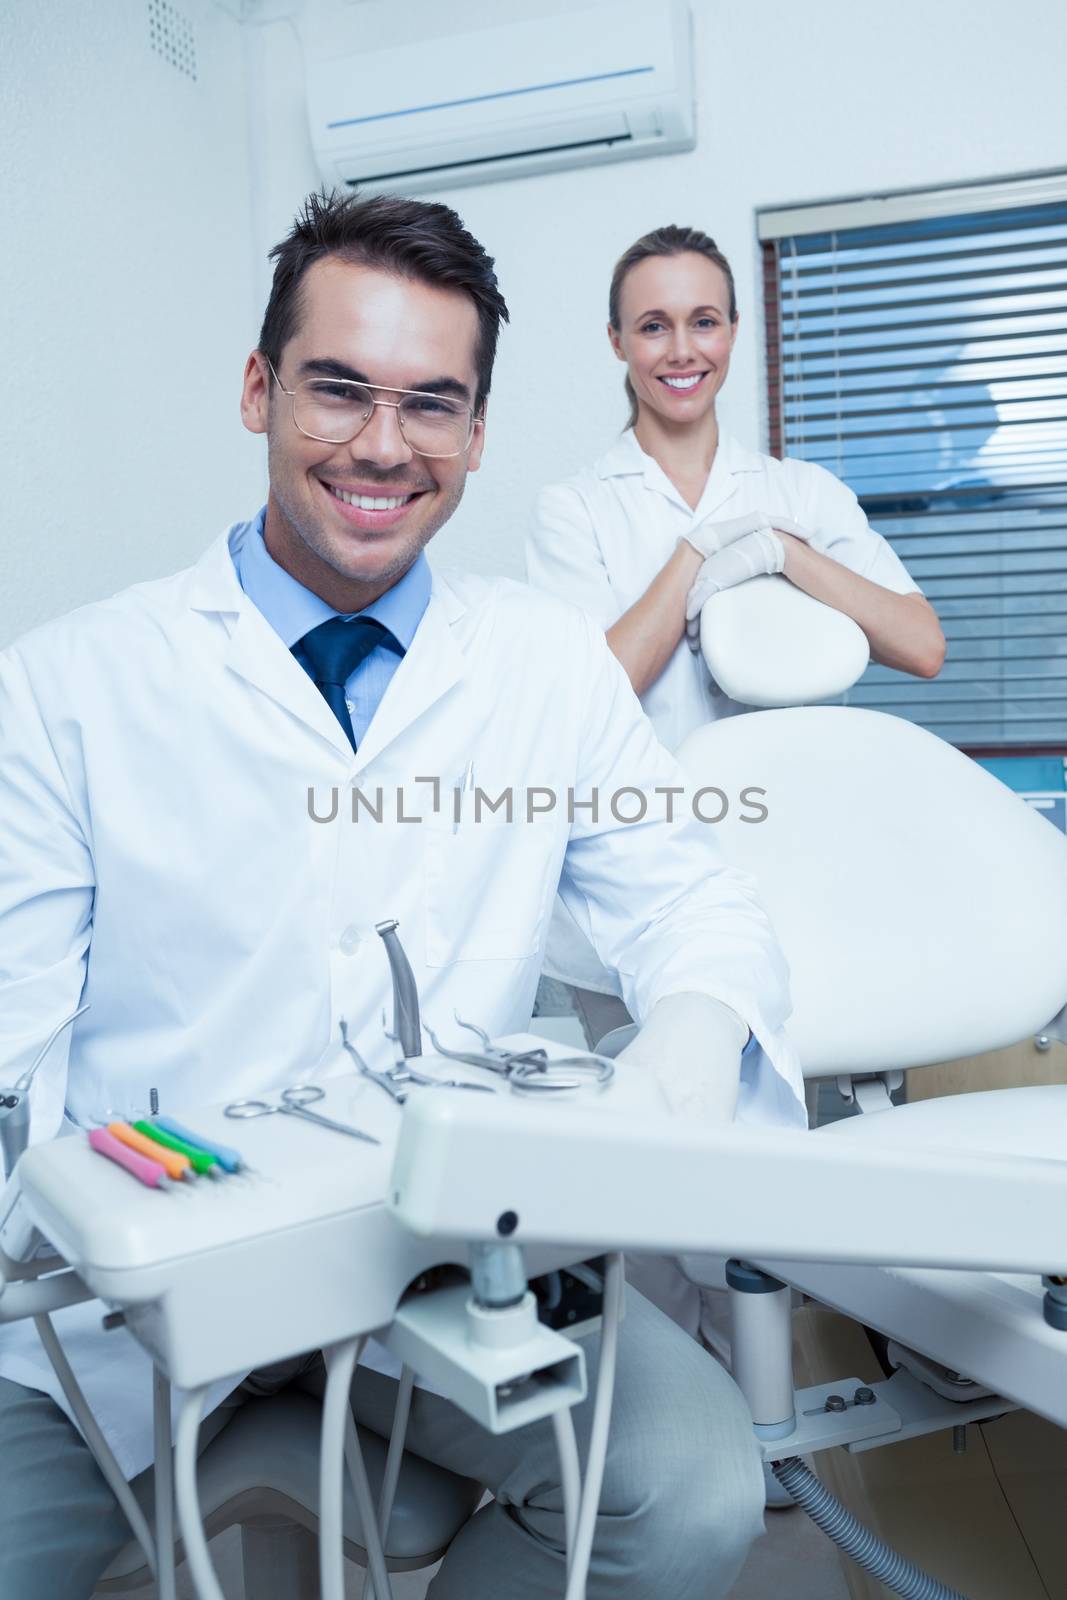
(293, 611)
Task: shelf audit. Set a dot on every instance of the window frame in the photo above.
(778, 225)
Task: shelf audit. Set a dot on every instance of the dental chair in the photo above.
(262, 1474)
(921, 904)
(922, 907)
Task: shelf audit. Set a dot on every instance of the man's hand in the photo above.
(755, 554)
(692, 1044)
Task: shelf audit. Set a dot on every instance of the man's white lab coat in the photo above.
(159, 860)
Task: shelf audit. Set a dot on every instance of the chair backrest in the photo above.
(921, 904)
(768, 643)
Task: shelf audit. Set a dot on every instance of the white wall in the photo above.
(141, 206)
(126, 295)
(817, 100)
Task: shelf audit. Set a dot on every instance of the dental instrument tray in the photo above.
(295, 1251)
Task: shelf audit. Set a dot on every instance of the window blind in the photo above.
(924, 361)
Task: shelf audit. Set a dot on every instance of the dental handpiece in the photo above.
(15, 1102)
(406, 1024)
(14, 1126)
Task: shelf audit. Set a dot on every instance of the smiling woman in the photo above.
(677, 511)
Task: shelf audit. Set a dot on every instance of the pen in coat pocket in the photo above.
(466, 787)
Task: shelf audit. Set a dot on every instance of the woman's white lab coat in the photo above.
(600, 537)
(158, 859)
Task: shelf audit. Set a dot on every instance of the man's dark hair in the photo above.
(412, 238)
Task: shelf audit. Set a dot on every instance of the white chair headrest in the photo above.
(767, 643)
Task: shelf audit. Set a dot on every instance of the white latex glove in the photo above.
(692, 1046)
(754, 555)
(708, 537)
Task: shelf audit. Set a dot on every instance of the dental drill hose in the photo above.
(98, 1446)
(393, 1461)
(582, 1549)
(570, 1477)
(340, 1365)
(197, 1554)
(864, 1547)
(340, 1449)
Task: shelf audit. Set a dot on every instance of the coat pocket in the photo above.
(488, 888)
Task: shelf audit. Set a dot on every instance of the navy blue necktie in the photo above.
(331, 652)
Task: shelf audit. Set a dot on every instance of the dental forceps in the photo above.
(403, 1072)
(294, 1103)
(529, 1071)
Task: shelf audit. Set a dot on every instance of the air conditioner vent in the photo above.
(512, 157)
(171, 35)
(603, 82)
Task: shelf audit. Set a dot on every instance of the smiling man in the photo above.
(347, 523)
(158, 859)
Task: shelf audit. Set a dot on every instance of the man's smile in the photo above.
(367, 507)
(367, 502)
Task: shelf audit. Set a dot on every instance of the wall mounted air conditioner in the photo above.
(597, 83)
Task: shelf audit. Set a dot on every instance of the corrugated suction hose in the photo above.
(864, 1547)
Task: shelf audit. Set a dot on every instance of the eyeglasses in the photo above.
(336, 410)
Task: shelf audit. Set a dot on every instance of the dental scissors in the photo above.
(294, 1103)
(529, 1071)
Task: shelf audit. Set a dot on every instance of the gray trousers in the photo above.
(682, 1498)
(598, 1013)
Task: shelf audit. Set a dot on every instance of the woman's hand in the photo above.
(647, 635)
(758, 552)
(708, 538)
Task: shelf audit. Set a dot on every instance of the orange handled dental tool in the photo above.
(174, 1165)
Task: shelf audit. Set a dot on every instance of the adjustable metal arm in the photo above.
(707, 1188)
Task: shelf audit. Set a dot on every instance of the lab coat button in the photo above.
(349, 941)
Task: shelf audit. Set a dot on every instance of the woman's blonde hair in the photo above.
(668, 241)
